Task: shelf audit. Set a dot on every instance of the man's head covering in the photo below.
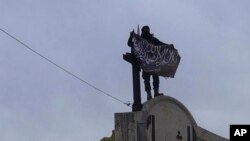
(145, 32)
(144, 28)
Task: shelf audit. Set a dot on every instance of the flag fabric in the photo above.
(162, 60)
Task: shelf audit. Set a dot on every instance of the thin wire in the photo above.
(63, 69)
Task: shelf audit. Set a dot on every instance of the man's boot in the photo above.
(149, 96)
(157, 93)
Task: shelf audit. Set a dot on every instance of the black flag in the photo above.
(162, 60)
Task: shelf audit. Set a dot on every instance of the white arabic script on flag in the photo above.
(162, 60)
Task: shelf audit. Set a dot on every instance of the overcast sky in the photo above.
(39, 102)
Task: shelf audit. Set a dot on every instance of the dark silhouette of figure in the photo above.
(145, 34)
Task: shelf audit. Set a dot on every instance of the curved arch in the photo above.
(149, 104)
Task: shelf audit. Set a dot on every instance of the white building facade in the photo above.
(161, 119)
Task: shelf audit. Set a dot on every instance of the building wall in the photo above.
(170, 120)
(205, 135)
(161, 119)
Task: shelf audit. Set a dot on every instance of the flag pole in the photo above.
(129, 57)
(138, 30)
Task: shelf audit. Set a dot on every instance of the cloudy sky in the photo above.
(39, 102)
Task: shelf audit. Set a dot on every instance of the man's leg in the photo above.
(156, 82)
(146, 77)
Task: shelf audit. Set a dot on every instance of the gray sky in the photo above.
(88, 37)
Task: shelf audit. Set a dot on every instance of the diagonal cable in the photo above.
(65, 70)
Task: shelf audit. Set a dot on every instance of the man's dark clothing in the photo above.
(156, 81)
(145, 75)
(151, 39)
